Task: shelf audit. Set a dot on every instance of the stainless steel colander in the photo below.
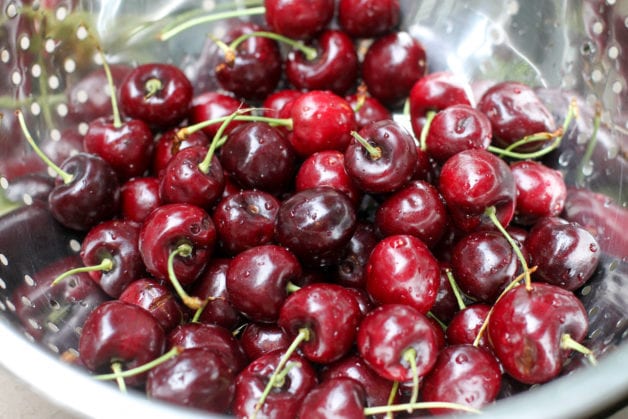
(567, 49)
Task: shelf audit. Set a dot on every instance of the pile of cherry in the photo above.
(282, 247)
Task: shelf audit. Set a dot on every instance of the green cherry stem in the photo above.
(378, 410)
(588, 152)
(409, 355)
(567, 342)
(183, 250)
(65, 176)
(374, 152)
(213, 17)
(394, 389)
(309, 52)
(117, 121)
(206, 163)
(429, 117)
(176, 350)
(116, 367)
(186, 131)
(455, 289)
(105, 265)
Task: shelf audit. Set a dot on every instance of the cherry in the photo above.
(211, 105)
(248, 151)
(335, 67)
(325, 316)
(168, 229)
(446, 305)
(402, 270)
(211, 287)
(515, 111)
(326, 168)
(541, 191)
(245, 220)
(368, 18)
(564, 253)
(159, 94)
(119, 335)
(473, 180)
(367, 109)
(397, 342)
(275, 101)
(209, 381)
(484, 263)
(31, 186)
(295, 19)
(465, 326)
(417, 210)
(157, 299)
(298, 379)
(138, 198)
(337, 397)
(462, 374)
(350, 271)
(258, 280)
(406, 63)
(258, 339)
(170, 142)
(316, 224)
(532, 330)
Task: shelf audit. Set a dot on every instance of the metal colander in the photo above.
(566, 49)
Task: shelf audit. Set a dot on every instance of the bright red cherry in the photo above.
(295, 19)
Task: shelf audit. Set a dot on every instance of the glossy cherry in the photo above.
(170, 142)
(275, 101)
(295, 19)
(258, 339)
(368, 18)
(350, 270)
(367, 109)
(211, 105)
(337, 397)
(464, 327)
(138, 198)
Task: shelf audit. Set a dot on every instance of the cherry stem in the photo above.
(361, 94)
(309, 52)
(378, 410)
(588, 152)
(455, 289)
(429, 117)
(199, 311)
(152, 86)
(292, 287)
(218, 141)
(116, 367)
(409, 355)
(190, 23)
(567, 342)
(374, 152)
(184, 250)
(117, 121)
(105, 265)
(437, 320)
(186, 131)
(394, 389)
(120, 374)
(491, 214)
(303, 336)
(65, 176)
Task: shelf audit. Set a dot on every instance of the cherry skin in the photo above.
(170, 142)
(402, 270)
(526, 329)
(462, 374)
(406, 63)
(472, 181)
(335, 67)
(159, 94)
(316, 224)
(321, 120)
(116, 241)
(393, 332)
(331, 316)
(257, 281)
(541, 191)
(367, 109)
(466, 324)
(138, 198)
(258, 339)
(157, 299)
(515, 111)
(350, 271)
(275, 101)
(209, 382)
(258, 156)
(245, 220)
(168, 227)
(122, 333)
(211, 105)
(335, 398)
(446, 306)
(565, 254)
(417, 210)
(297, 20)
(389, 166)
(368, 18)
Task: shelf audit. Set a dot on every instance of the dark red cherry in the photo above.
(350, 270)
(417, 210)
(122, 333)
(257, 281)
(157, 299)
(258, 339)
(166, 229)
(565, 254)
(446, 306)
(528, 327)
(465, 326)
(284, 399)
(368, 18)
(275, 101)
(472, 181)
(335, 398)
(463, 374)
(335, 67)
(541, 191)
(295, 19)
(196, 378)
(258, 156)
(170, 142)
(212, 105)
(29, 187)
(138, 198)
(402, 270)
(392, 335)
(515, 111)
(391, 66)
(159, 94)
(367, 109)
(329, 313)
(316, 224)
